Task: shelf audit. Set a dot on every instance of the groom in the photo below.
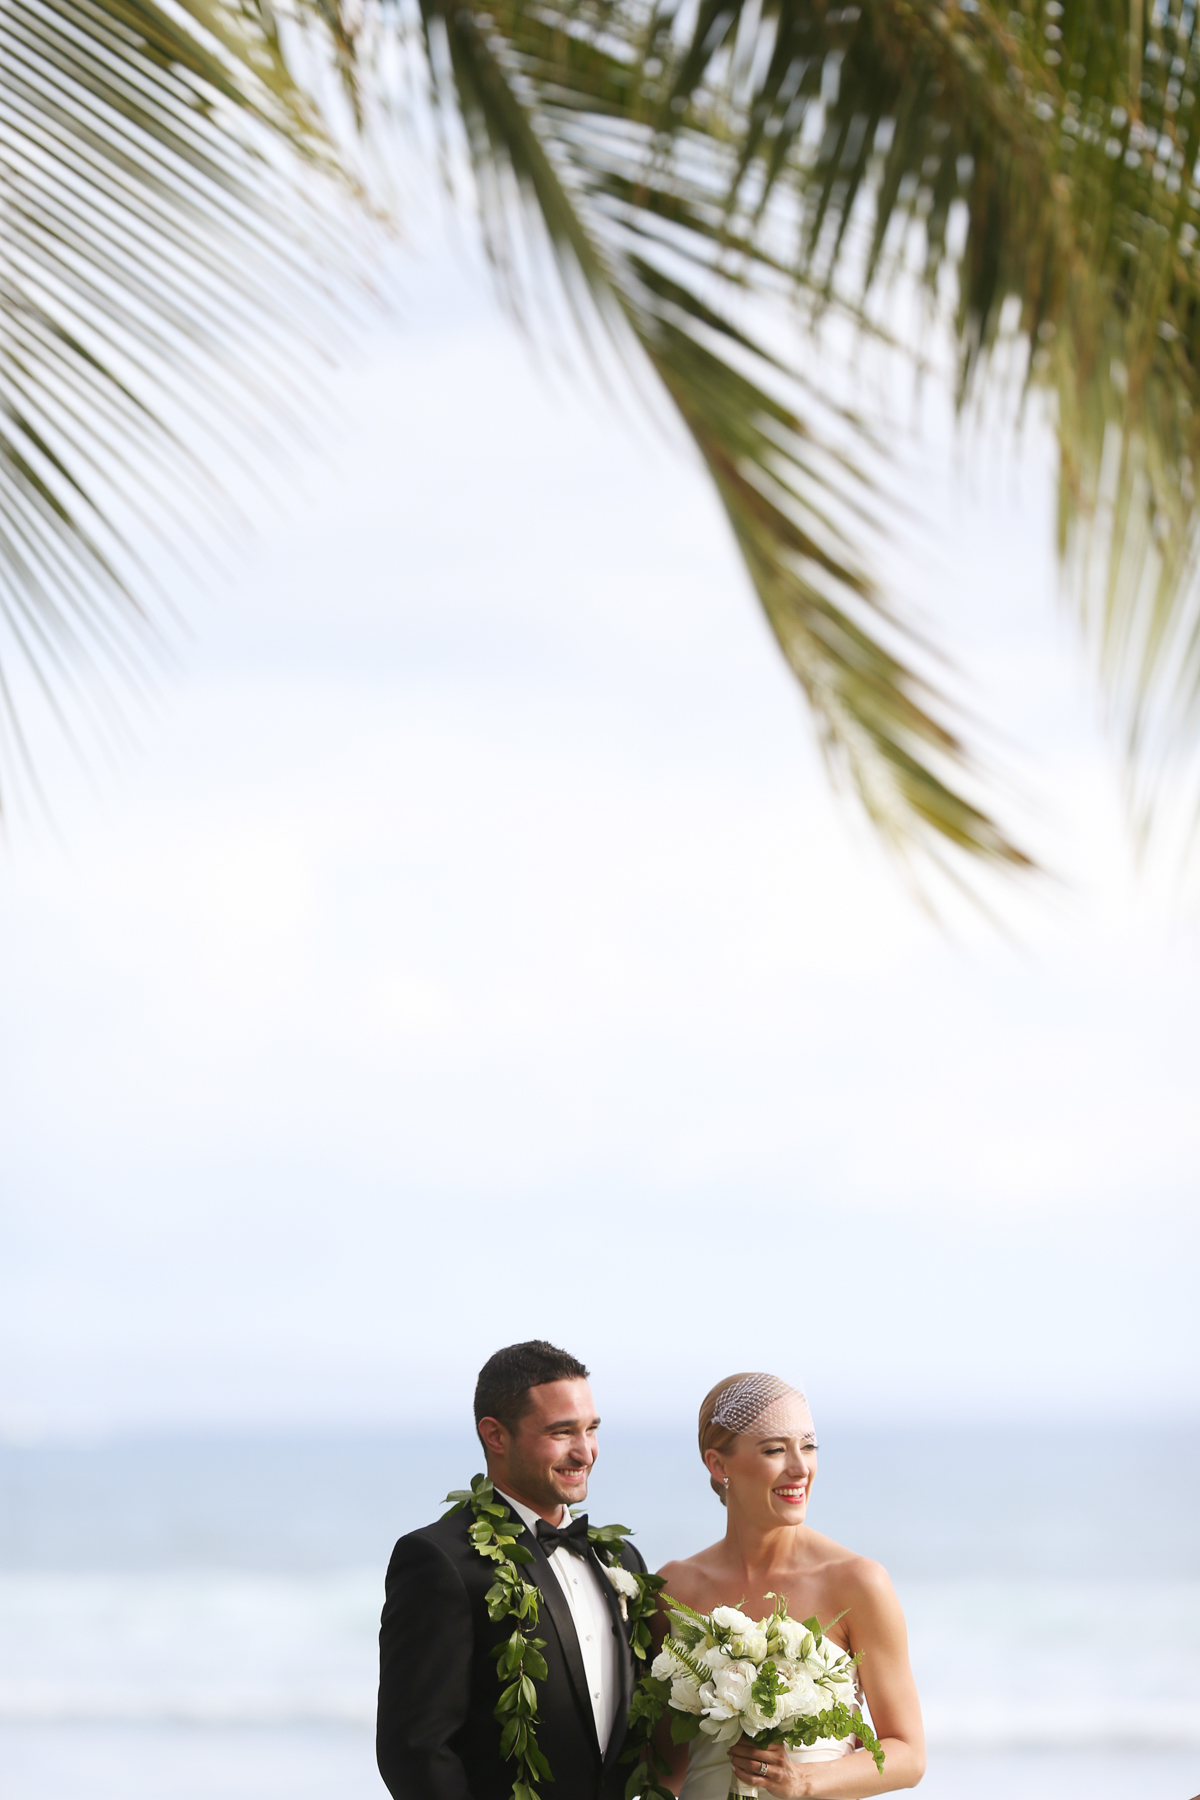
(438, 1683)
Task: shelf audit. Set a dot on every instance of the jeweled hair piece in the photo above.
(760, 1400)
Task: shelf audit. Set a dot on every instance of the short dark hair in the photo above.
(502, 1391)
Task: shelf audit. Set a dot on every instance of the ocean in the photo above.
(187, 1618)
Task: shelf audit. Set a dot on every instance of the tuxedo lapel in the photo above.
(624, 1662)
(554, 1602)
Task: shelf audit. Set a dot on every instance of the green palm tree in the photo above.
(693, 168)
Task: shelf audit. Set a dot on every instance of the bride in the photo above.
(758, 1444)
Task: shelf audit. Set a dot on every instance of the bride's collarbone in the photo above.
(808, 1593)
(803, 1595)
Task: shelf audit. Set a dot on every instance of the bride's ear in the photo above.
(714, 1462)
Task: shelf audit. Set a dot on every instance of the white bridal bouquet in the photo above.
(773, 1680)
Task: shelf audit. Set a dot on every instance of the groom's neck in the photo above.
(552, 1514)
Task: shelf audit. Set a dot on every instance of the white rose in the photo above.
(732, 1685)
(664, 1667)
(622, 1580)
(803, 1697)
(841, 1690)
(749, 1644)
(722, 1731)
(714, 1657)
(730, 1619)
(836, 1670)
(755, 1720)
(685, 1694)
(624, 1583)
(791, 1635)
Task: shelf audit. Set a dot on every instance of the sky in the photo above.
(470, 948)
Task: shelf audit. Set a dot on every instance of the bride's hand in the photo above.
(769, 1768)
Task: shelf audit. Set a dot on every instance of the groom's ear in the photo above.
(493, 1435)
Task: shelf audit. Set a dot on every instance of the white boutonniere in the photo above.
(627, 1586)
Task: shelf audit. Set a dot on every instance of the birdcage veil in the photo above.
(764, 1401)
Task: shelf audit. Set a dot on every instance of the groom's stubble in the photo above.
(545, 1459)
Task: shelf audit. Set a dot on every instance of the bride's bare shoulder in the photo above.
(690, 1578)
(858, 1577)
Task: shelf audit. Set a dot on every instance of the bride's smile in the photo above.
(793, 1496)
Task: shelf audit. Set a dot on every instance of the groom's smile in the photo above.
(545, 1459)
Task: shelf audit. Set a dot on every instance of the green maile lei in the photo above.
(653, 1694)
(519, 1660)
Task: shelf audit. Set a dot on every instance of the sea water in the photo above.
(188, 1619)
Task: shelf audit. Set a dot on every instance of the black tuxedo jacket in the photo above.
(438, 1686)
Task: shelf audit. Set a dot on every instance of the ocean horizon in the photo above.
(196, 1614)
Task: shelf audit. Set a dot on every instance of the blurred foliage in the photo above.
(157, 256)
(715, 180)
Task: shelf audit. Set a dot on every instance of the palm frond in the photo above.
(691, 168)
(157, 254)
(609, 134)
(1046, 158)
(1065, 136)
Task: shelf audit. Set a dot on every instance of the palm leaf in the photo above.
(630, 174)
(158, 256)
(681, 159)
(688, 168)
(1069, 145)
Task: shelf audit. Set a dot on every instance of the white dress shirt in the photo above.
(580, 1581)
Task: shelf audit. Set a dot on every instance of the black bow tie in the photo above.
(573, 1537)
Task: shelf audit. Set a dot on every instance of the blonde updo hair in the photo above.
(713, 1436)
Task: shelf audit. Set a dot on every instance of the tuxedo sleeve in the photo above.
(425, 1646)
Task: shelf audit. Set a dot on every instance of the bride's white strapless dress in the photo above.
(710, 1775)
